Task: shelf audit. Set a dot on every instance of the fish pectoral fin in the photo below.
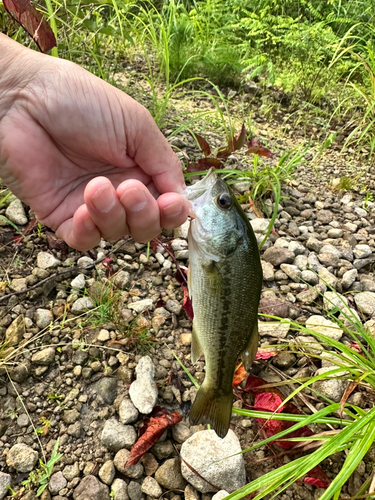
(250, 350)
(196, 348)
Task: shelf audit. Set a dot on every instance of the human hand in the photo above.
(88, 159)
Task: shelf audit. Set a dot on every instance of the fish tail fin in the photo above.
(212, 407)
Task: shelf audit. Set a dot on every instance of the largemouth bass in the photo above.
(224, 281)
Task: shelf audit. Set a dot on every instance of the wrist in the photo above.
(17, 68)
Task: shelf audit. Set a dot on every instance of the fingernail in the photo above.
(135, 199)
(104, 198)
(173, 210)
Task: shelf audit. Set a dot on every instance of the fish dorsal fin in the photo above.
(250, 350)
(196, 348)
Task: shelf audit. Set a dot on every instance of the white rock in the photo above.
(332, 387)
(103, 335)
(362, 251)
(182, 231)
(140, 305)
(365, 301)
(260, 225)
(217, 460)
(16, 213)
(43, 317)
(82, 304)
(269, 329)
(85, 262)
(349, 278)
(220, 495)
(347, 198)
(178, 244)
(143, 392)
(332, 300)
(127, 412)
(5, 480)
(46, 260)
(79, 282)
(22, 458)
(324, 326)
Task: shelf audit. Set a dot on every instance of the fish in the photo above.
(224, 283)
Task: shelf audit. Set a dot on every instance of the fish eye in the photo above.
(224, 200)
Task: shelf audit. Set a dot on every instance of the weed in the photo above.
(369, 198)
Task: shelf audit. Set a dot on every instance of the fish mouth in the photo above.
(199, 188)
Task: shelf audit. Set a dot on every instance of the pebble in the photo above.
(56, 483)
(22, 458)
(270, 329)
(349, 278)
(362, 251)
(14, 333)
(207, 454)
(106, 390)
(91, 487)
(334, 300)
(140, 305)
(169, 475)
(82, 305)
(128, 413)
(43, 317)
(143, 392)
(278, 255)
(5, 480)
(220, 495)
(44, 357)
(324, 326)
(85, 262)
(133, 471)
(116, 436)
(16, 213)
(79, 282)
(268, 271)
(46, 260)
(332, 388)
(119, 489)
(122, 280)
(107, 472)
(181, 432)
(260, 225)
(134, 491)
(365, 301)
(151, 487)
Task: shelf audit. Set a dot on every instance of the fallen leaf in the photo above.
(153, 427)
(32, 21)
(317, 477)
(239, 375)
(256, 147)
(265, 354)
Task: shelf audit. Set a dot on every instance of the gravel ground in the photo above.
(70, 373)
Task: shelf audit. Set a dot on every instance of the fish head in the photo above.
(216, 224)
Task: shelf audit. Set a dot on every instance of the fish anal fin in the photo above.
(196, 348)
(250, 350)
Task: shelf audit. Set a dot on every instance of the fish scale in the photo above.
(225, 278)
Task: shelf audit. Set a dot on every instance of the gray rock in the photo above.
(75, 430)
(119, 489)
(56, 483)
(308, 296)
(278, 255)
(81, 305)
(324, 216)
(291, 271)
(349, 278)
(43, 317)
(106, 389)
(5, 480)
(80, 357)
(162, 449)
(22, 458)
(301, 262)
(181, 432)
(151, 487)
(365, 301)
(128, 413)
(71, 416)
(18, 284)
(269, 329)
(328, 278)
(268, 271)
(20, 372)
(169, 475)
(359, 263)
(71, 471)
(360, 211)
(46, 260)
(15, 332)
(173, 306)
(44, 357)
(23, 420)
(133, 471)
(333, 300)
(85, 262)
(309, 277)
(362, 251)
(259, 225)
(79, 282)
(140, 305)
(296, 247)
(16, 213)
(332, 388)
(116, 436)
(313, 263)
(91, 488)
(134, 491)
(143, 392)
(314, 244)
(335, 233)
(309, 344)
(191, 493)
(107, 472)
(324, 326)
(122, 280)
(328, 259)
(220, 495)
(208, 455)
(284, 360)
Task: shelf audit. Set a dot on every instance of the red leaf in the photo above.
(239, 375)
(256, 147)
(150, 432)
(239, 141)
(187, 304)
(226, 151)
(203, 164)
(33, 22)
(317, 477)
(265, 354)
(203, 144)
(270, 399)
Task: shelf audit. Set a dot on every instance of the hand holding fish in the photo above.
(87, 158)
(225, 281)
